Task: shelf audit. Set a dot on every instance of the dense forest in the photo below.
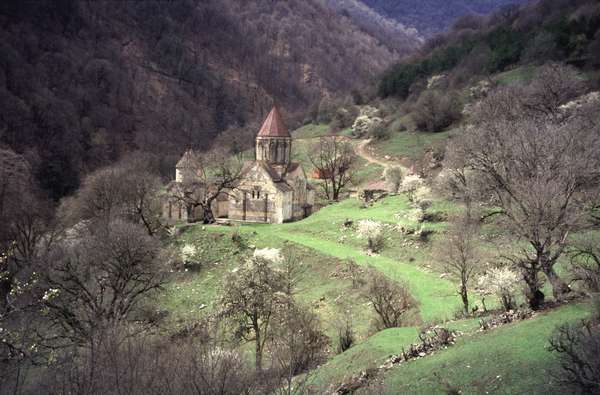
(81, 82)
(430, 16)
(477, 46)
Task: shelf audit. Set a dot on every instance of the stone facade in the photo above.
(273, 189)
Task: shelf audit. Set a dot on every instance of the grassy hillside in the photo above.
(497, 361)
(508, 360)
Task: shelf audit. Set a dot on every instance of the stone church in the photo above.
(273, 188)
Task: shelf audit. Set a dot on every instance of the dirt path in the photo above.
(362, 151)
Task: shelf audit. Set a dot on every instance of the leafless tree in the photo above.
(391, 300)
(540, 171)
(585, 262)
(251, 297)
(297, 345)
(578, 348)
(458, 254)
(25, 218)
(99, 278)
(334, 158)
(210, 175)
(555, 86)
(128, 190)
(126, 362)
(435, 111)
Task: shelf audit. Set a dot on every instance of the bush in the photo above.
(393, 176)
(578, 347)
(373, 232)
(435, 111)
(380, 131)
(503, 283)
(345, 337)
(390, 299)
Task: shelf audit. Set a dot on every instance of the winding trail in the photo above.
(362, 150)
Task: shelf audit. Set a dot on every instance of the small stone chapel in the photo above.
(273, 188)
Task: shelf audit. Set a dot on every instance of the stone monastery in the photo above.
(273, 189)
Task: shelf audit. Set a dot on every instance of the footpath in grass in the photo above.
(436, 296)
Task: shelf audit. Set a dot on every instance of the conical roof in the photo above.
(188, 160)
(274, 126)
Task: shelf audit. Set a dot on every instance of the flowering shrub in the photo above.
(268, 254)
(373, 232)
(188, 252)
(503, 283)
(410, 185)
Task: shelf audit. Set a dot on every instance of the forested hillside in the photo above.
(434, 16)
(478, 46)
(83, 82)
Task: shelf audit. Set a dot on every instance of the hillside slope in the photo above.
(82, 82)
(433, 16)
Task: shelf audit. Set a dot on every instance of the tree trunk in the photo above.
(209, 217)
(465, 298)
(258, 355)
(559, 287)
(5, 288)
(534, 296)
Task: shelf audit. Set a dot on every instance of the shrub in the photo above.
(435, 111)
(390, 299)
(380, 131)
(268, 254)
(373, 232)
(393, 176)
(345, 337)
(364, 125)
(410, 185)
(578, 347)
(503, 283)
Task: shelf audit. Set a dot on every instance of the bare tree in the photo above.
(210, 175)
(251, 297)
(126, 362)
(555, 86)
(25, 218)
(540, 171)
(334, 158)
(435, 111)
(458, 254)
(585, 262)
(391, 300)
(578, 348)
(297, 345)
(128, 190)
(98, 278)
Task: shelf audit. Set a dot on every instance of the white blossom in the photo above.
(500, 281)
(368, 228)
(269, 254)
(187, 252)
(50, 294)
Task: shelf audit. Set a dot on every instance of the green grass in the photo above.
(517, 75)
(310, 131)
(321, 233)
(322, 246)
(510, 359)
(410, 145)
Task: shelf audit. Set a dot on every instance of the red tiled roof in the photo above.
(273, 126)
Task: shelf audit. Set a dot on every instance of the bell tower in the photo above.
(273, 142)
